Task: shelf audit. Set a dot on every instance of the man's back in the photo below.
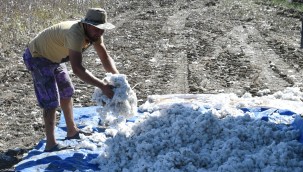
(54, 42)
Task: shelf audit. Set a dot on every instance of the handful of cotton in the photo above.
(121, 106)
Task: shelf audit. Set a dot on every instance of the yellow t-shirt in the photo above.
(54, 42)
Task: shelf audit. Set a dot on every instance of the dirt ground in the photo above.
(168, 47)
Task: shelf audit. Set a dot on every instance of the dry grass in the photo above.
(21, 20)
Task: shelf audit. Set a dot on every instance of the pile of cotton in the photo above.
(186, 138)
(121, 106)
(290, 93)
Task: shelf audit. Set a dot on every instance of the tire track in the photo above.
(175, 55)
(260, 56)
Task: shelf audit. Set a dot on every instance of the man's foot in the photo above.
(57, 147)
(77, 135)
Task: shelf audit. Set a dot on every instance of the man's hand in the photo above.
(108, 91)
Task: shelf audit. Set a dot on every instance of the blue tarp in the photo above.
(78, 159)
(66, 160)
(278, 116)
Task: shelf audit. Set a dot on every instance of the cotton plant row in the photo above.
(184, 138)
(123, 104)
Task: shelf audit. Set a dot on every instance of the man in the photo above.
(45, 57)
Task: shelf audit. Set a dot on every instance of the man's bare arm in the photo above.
(86, 76)
(107, 61)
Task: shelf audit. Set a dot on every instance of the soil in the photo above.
(168, 47)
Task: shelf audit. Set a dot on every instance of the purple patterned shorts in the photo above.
(51, 80)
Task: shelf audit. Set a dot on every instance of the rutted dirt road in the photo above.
(211, 47)
(174, 46)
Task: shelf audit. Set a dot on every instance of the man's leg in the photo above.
(67, 108)
(46, 91)
(49, 116)
(66, 91)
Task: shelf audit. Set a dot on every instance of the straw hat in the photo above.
(98, 18)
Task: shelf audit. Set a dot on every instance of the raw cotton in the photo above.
(121, 106)
(182, 137)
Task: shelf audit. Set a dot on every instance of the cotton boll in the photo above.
(241, 105)
(228, 111)
(86, 145)
(107, 118)
(278, 95)
(247, 95)
(123, 103)
(88, 128)
(126, 128)
(98, 137)
(111, 131)
(214, 112)
(218, 105)
(263, 92)
(71, 143)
